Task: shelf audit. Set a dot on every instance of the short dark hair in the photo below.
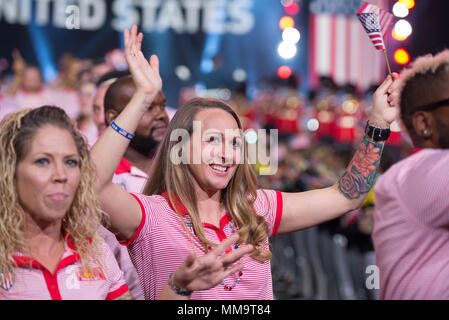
(421, 83)
(115, 74)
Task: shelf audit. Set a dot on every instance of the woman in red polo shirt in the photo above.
(50, 247)
(202, 189)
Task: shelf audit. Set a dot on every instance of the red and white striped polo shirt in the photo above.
(35, 282)
(161, 244)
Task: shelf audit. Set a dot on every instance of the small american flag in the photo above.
(376, 23)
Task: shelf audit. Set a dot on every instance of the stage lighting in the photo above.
(313, 125)
(350, 106)
(291, 35)
(286, 3)
(286, 50)
(182, 72)
(284, 72)
(292, 8)
(409, 3)
(239, 75)
(207, 66)
(396, 36)
(403, 28)
(286, 22)
(400, 10)
(251, 136)
(401, 56)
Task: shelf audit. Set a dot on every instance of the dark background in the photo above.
(256, 52)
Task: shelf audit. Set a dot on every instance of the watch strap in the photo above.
(376, 133)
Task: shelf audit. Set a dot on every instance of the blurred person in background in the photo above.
(65, 87)
(28, 87)
(411, 220)
(85, 121)
(97, 125)
(29, 90)
(7, 103)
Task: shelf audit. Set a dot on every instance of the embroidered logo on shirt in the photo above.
(90, 275)
(6, 281)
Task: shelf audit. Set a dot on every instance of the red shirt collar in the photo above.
(415, 150)
(183, 211)
(123, 167)
(177, 203)
(25, 260)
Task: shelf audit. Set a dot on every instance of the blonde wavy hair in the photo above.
(238, 197)
(84, 215)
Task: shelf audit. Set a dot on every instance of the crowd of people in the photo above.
(97, 205)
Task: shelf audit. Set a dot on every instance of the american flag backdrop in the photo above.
(339, 47)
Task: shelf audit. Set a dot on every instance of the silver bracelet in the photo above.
(176, 289)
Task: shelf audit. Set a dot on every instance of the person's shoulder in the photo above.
(414, 161)
(153, 202)
(264, 198)
(422, 166)
(423, 161)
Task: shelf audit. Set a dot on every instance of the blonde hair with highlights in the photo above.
(238, 197)
(84, 216)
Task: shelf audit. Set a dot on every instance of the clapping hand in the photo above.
(145, 73)
(205, 272)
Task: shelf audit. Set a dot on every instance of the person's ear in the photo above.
(110, 115)
(423, 124)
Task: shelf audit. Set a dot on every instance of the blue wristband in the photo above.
(123, 132)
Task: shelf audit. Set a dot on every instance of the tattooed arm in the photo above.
(361, 172)
(306, 209)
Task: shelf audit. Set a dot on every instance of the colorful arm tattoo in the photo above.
(361, 172)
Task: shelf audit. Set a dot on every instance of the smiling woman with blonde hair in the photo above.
(193, 206)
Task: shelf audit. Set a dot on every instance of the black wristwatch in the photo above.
(176, 289)
(377, 134)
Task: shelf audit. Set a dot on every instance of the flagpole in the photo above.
(388, 64)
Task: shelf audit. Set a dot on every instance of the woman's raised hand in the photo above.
(145, 73)
(205, 272)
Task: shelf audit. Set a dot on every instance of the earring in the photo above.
(425, 132)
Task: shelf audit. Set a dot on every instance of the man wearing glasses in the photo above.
(411, 220)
